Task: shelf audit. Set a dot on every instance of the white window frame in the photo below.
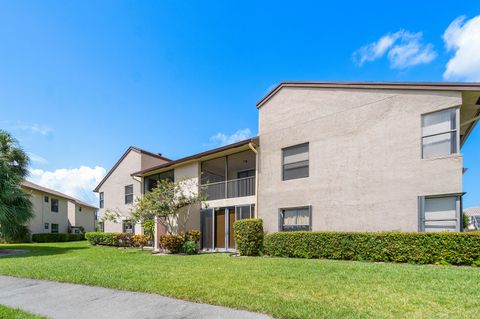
(128, 194)
(456, 130)
(101, 199)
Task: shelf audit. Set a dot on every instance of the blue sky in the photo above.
(80, 81)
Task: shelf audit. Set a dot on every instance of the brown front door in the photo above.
(231, 220)
(220, 228)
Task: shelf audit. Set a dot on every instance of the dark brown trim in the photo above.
(131, 148)
(254, 140)
(435, 86)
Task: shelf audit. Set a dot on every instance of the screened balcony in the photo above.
(229, 176)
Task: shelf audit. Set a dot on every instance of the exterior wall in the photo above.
(189, 174)
(84, 218)
(43, 213)
(366, 167)
(114, 189)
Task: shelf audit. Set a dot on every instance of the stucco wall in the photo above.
(366, 170)
(43, 214)
(84, 218)
(189, 174)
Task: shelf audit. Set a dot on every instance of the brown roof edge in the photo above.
(30, 185)
(131, 148)
(254, 140)
(441, 86)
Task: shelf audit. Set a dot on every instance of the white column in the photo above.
(156, 244)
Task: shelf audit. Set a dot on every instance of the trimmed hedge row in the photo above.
(60, 237)
(249, 236)
(418, 248)
(116, 239)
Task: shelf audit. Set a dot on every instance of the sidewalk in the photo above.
(60, 300)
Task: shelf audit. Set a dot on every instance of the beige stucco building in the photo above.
(333, 156)
(55, 212)
(119, 189)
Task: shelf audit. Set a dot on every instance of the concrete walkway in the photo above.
(59, 300)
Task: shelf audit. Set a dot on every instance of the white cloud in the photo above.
(75, 182)
(403, 49)
(33, 128)
(35, 158)
(224, 139)
(463, 38)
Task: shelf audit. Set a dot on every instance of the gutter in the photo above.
(250, 145)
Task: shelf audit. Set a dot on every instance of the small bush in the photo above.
(52, 238)
(140, 240)
(173, 243)
(125, 239)
(193, 235)
(418, 248)
(105, 239)
(190, 247)
(249, 236)
(22, 236)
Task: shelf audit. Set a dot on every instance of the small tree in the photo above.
(170, 202)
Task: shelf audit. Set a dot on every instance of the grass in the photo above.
(13, 313)
(283, 288)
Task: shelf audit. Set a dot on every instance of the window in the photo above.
(101, 199)
(245, 211)
(101, 226)
(128, 227)
(45, 199)
(54, 206)
(46, 225)
(54, 228)
(128, 194)
(80, 208)
(439, 133)
(295, 162)
(151, 181)
(292, 219)
(440, 213)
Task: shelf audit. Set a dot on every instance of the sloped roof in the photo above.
(33, 186)
(131, 148)
(435, 86)
(472, 211)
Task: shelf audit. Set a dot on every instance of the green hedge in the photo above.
(418, 248)
(249, 236)
(52, 238)
(105, 239)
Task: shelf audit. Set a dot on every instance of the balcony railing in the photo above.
(230, 189)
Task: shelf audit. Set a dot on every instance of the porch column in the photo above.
(156, 244)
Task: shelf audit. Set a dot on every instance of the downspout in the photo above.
(250, 145)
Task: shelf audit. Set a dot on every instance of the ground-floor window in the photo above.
(47, 225)
(101, 226)
(295, 218)
(440, 213)
(128, 227)
(54, 228)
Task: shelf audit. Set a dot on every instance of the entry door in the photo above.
(231, 220)
(220, 228)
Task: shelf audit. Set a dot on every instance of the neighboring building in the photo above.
(55, 212)
(338, 157)
(118, 189)
(473, 214)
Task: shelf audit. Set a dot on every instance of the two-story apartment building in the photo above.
(118, 189)
(55, 212)
(336, 156)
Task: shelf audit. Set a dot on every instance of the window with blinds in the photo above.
(295, 162)
(292, 219)
(439, 133)
(439, 214)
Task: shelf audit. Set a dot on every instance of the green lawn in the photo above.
(11, 313)
(284, 288)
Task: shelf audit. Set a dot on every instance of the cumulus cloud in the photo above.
(75, 182)
(462, 37)
(404, 49)
(224, 139)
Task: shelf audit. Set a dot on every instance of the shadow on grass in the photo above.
(38, 250)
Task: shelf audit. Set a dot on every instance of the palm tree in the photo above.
(15, 205)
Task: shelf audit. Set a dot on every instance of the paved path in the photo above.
(59, 300)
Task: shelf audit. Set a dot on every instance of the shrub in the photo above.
(149, 229)
(249, 236)
(418, 248)
(22, 236)
(189, 247)
(60, 237)
(105, 239)
(140, 240)
(173, 243)
(193, 235)
(125, 239)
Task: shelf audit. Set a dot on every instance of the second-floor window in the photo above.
(54, 205)
(295, 162)
(439, 133)
(128, 194)
(101, 199)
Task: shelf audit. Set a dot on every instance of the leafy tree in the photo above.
(170, 202)
(15, 205)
